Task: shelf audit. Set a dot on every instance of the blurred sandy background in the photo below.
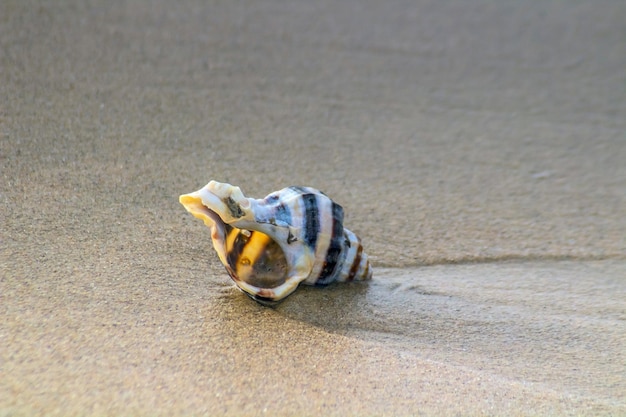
(477, 148)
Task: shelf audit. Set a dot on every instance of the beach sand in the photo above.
(477, 148)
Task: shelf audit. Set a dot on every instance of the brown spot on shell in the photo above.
(355, 264)
(234, 208)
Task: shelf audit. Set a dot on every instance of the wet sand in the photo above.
(476, 147)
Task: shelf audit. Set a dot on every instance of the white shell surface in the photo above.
(270, 245)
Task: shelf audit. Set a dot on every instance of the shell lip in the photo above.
(193, 204)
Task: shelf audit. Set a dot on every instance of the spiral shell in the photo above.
(269, 246)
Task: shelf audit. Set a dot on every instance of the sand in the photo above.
(477, 148)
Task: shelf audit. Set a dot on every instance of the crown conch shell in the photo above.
(269, 246)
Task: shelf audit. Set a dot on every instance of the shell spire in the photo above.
(271, 245)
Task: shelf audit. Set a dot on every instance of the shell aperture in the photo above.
(269, 246)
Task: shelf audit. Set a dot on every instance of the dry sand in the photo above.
(477, 147)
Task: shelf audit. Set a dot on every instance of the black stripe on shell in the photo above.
(266, 301)
(355, 263)
(334, 250)
(312, 219)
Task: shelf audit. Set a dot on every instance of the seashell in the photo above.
(269, 246)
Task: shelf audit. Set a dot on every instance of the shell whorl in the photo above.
(269, 246)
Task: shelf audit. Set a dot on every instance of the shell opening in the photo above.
(193, 204)
(255, 258)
